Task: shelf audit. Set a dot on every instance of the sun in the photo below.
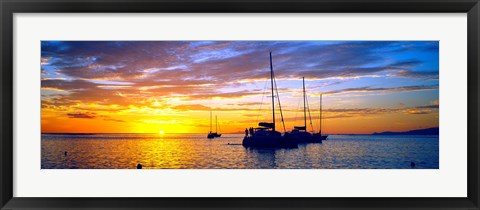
(161, 132)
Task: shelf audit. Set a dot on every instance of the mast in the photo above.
(273, 100)
(304, 106)
(279, 104)
(320, 131)
(216, 124)
(210, 121)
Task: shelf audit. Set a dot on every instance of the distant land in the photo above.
(427, 131)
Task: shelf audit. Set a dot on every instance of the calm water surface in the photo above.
(195, 151)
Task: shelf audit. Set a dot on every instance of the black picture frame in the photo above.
(9, 7)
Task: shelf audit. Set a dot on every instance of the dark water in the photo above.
(195, 151)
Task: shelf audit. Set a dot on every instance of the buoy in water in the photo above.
(412, 164)
(139, 166)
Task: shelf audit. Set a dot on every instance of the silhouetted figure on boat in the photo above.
(246, 132)
(251, 131)
(139, 166)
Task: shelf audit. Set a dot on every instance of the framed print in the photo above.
(239, 105)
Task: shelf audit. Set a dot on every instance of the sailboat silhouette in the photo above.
(211, 134)
(319, 134)
(300, 133)
(265, 135)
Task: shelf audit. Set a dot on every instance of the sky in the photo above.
(172, 86)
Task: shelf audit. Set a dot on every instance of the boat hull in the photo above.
(305, 137)
(323, 137)
(213, 135)
(268, 142)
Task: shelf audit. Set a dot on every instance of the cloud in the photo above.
(251, 115)
(135, 73)
(86, 115)
(61, 84)
(107, 118)
(45, 60)
(416, 74)
(247, 104)
(235, 94)
(189, 107)
(91, 115)
(428, 107)
(417, 111)
(384, 90)
(199, 107)
(225, 61)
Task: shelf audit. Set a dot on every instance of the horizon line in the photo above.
(222, 133)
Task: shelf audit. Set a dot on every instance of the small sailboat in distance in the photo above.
(215, 134)
(216, 128)
(319, 134)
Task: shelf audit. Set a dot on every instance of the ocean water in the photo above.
(195, 151)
